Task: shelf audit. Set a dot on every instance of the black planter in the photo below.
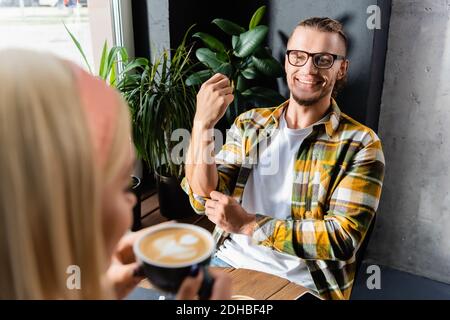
(148, 177)
(173, 201)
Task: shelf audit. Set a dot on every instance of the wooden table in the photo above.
(258, 285)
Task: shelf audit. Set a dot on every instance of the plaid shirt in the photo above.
(338, 176)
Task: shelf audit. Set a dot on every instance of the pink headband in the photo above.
(101, 107)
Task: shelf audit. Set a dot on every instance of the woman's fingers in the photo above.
(222, 285)
(124, 278)
(190, 287)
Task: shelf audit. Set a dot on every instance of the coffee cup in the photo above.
(171, 251)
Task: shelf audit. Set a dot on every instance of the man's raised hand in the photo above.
(213, 98)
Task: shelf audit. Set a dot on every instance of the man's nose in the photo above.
(309, 67)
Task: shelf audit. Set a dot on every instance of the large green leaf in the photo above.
(225, 69)
(263, 96)
(208, 58)
(111, 61)
(198, 77)
(210, 41)
(103, 62)
(250, 73)
(229, 27)
(241, 84)
(268, 66)
(234, 42)
(80, 49)
(257, 16)
(139, 62)
(222, 56)
(250, 41)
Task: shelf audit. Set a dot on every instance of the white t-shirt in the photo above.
(268, 191)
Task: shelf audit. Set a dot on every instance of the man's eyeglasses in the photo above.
(321, 60)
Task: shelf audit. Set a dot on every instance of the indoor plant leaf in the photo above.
(80, 49)
(250, 41)
(112, 59)
(102, 67)
(249, 73)
(234, 42)
(225, 69)
(268, 66)
(208, 58)
(256, 18)
(263, 96)
(198, 77)
(228, 27)
(241, 84)
(210, 41)
(139, 62)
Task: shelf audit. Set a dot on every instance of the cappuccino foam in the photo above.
(174, 246)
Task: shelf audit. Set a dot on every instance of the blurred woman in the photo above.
(65, 164)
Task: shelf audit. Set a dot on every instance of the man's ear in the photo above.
(343, 69)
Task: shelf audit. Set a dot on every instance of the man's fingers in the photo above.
(223, 83)
(211, 215)
(226, 91)
(210, 212)
(218, 196)
(210, 204)
(215, 78)
(229, 99)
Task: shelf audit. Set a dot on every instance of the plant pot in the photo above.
(173, 201)
(148, 177)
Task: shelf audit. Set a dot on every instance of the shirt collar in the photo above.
(331, 123)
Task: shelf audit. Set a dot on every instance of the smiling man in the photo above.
(301, 208)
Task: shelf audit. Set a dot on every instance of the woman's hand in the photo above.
(191, 285)
(124, 272)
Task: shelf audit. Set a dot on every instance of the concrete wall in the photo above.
(158, 26)
(413, 227)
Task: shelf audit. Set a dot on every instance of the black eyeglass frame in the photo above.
(335, 57)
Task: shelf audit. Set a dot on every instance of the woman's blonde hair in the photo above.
(51, 188)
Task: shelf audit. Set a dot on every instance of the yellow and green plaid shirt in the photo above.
(338, 176)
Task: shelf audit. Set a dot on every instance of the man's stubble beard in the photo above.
(308, 102)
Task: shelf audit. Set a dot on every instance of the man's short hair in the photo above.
(326, 24)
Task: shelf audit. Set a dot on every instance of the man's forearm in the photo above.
(201, 170)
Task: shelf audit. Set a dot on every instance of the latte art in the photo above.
(169, 247)
(174, 245)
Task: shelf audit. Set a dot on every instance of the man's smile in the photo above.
(308, 82)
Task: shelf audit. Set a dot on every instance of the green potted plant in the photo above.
(112, 60)
(244, 59)
(161, 103)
